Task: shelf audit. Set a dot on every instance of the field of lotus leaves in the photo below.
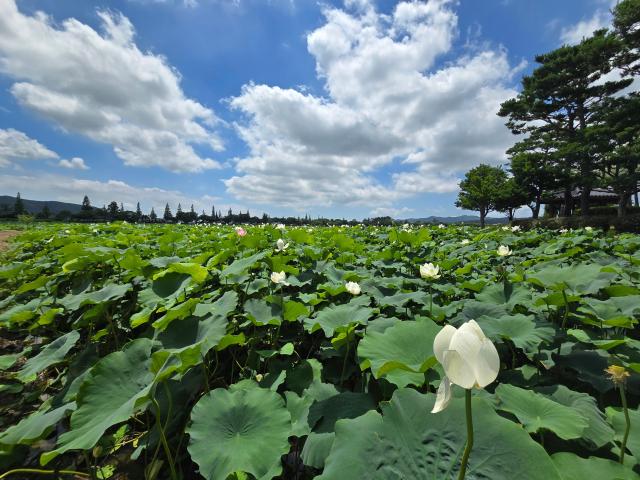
(187, 352)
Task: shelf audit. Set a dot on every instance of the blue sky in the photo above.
(343, 109)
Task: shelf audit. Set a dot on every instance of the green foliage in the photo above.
(150, 346)
(408, 442)
(481, 189)
(239, 430)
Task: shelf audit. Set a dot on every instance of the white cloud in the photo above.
(103, 86)
(73, 163)
(390, 212)
(70, 189)
(16, 145)
(387, 100)
(574, 34)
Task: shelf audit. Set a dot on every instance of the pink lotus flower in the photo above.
(241, 231)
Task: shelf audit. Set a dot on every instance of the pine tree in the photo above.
(86, 204)
(18, 207)
(138, 210)
(559, 98)
(152, 215)
(112, 209)
(121, 207)
(167, 213)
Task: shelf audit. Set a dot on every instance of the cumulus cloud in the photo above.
(574, 34)
(16, 145)
(73, 163)
(389, 99)
(101, 85)
(390, 212)
(70, 189)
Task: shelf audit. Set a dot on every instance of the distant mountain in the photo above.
(458, 219)
(35, 206)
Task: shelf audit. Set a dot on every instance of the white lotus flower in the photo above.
(442, 225)
(353, 288)
(280, 226)
(279, 278)
(466, 241)
(515, 228)
(468, 357)
(504, 251)
(588, 229)
(430, 271)
(505, 228)
(563, 230)
(281, 246)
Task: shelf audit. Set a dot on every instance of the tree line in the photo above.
(578, 128)
(115, 211)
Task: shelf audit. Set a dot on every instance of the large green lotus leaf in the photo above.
(53, 353)
(11, 270)
(401, 353)
(8, 361)
(331, 318)
(501, 294)
(408, 442)
(324, 414)
(23, 312)
(245, 430)
(114, 389)
(535, 412)
(106, 294)
(581, 278)
(598, 432)
(596, 339)
(241, 265)
(316, 449)
(294, 310)
(261, 312)
(176, 312)
(35, 426)
(222, 307)
(522, 330)
(197, 272)
(616, 417)
(298, 407)
(589, 366)
(401, 299)
(164, 290)
(473, 309)
(573, 467)
(188, 340)
(628, 305)
(33, 285)
(616, 311)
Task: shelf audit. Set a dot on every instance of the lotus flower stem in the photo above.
(344, 362)
(430, 300)
(163, 439)
(623, 398)
(43, 472)
(469, 446)
(566, 308)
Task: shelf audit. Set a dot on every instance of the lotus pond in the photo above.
(187, 352)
